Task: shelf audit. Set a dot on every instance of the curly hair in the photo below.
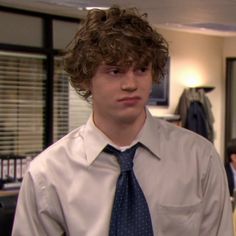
(115, 37)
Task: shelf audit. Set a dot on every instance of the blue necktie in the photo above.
(130, 214)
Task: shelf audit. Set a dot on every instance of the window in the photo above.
(79, 110)
(60, 100)
(37, 104)
(70, 110)
(230, 114)
(22, 103)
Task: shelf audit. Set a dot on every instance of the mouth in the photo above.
(129, 100)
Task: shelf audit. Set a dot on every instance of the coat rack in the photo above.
(206, 89)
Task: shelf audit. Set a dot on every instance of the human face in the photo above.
(120, 94)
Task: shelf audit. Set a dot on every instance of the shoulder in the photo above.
(187, 152)
(59, 154)
(184, 143)
(173, 142)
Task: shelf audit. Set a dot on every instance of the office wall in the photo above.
(229, 47)
(199, 57)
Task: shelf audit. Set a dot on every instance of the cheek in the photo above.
(96, 88)
(100, 92)
(147, 85)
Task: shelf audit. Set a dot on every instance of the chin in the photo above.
(131, 117)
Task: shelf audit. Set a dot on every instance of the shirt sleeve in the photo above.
(217, 215)
(31, 217)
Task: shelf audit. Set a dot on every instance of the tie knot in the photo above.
(124, 158)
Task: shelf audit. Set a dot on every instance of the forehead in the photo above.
(124, 64)
(125, 56)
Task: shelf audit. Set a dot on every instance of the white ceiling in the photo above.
(213, 17)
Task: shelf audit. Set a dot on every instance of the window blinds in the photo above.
(70, 110)
(79, 109)
(22, 103)
(60, 100)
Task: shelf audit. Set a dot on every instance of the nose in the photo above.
(129, 82)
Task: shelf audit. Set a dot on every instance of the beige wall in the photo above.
(201, 56)
(230, 47)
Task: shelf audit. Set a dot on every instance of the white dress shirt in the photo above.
(69, 188)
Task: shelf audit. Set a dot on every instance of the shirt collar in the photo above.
(149, 135)
(95, 140)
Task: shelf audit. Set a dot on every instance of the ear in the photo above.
(86, 85)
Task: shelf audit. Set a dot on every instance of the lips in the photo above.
(129, 100)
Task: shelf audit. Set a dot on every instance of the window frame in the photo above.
(230, 80)
(49, 52)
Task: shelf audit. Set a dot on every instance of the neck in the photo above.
(121, 133)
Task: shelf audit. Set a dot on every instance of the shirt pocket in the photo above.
(178, 220)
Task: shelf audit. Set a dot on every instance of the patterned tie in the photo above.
(130, 214)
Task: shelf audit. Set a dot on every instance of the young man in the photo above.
(86, 185)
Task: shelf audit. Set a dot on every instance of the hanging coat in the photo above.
(196, 119)
(196, 95)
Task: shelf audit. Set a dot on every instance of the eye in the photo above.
(142, 70)
(114, 71)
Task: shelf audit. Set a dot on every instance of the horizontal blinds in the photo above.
(22, 103)
(70, 111)
(60, 100)
(79, 110)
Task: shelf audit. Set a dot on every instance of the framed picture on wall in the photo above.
(160, 91)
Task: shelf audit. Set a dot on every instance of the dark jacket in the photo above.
(230, 177)
(196, 95)
(196, 119)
